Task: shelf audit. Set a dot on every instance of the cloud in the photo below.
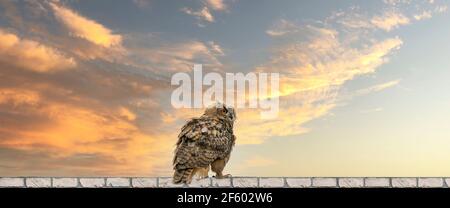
(101, 111)
(353, 19)
(396, 14)
(103, 117)
(218, 5)
(90, 120)
(325, 61)
(32, 55)
(11, 13)
(216, 48)
(65, 131)
(18, 97)
(43, 25)
(441, 9)
(127, 114)
(85, 28)
(314, 64)
(202, 14)
(178, 56)
(281, 28)
(378, 87)
(423, 15)
(390, 20)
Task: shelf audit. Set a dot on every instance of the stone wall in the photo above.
(269, 182)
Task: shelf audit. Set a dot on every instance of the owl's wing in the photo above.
(200, 142)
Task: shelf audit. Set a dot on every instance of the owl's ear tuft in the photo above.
(219, 105)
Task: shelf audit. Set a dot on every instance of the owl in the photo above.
(205, 142)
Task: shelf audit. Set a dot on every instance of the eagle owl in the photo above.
(205, 142)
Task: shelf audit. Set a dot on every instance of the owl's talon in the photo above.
(223, 176)
(200, 178)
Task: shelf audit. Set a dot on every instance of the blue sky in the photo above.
(364, 84)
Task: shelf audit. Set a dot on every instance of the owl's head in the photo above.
(221, 110)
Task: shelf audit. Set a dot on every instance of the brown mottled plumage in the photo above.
(203, 142)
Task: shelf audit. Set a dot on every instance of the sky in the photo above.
(85, 85)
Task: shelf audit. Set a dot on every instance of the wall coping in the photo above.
(234, 182)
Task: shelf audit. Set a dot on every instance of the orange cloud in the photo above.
(423, 15)
(390, 20)
(202, 14)
(217, 4)
(85, 28)
(31, 55)
(74, 130)
(311, 73)
(126, 113)
(305, 61)
(18, 97)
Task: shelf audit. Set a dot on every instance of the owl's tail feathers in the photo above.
(183, 175)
